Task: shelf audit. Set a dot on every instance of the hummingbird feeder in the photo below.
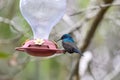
(42, 15)
(41, 48)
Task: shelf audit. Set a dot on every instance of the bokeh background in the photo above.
(99, 17)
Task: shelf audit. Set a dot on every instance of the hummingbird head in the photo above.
(67, 38)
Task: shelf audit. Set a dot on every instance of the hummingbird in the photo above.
(69, 45)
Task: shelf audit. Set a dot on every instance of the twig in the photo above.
(75, 27)
(68, 20)
(95, 7)
(7, 21)
(13, 25)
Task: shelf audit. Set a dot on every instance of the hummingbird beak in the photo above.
(58, 40)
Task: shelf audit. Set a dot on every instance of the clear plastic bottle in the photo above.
(42, 15)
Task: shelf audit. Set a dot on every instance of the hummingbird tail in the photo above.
(78, 51)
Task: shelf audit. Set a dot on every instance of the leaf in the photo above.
(3, 55)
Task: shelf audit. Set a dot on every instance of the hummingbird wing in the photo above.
(70, 47)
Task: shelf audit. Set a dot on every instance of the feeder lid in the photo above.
(40, 48)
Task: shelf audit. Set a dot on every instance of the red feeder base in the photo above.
(48, 48)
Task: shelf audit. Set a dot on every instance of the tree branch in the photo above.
(95, 7)
(90, 34)
(94, 25)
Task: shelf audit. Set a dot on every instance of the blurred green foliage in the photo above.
(83, 4)
(3, 55)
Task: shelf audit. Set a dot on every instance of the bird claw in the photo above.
(64, 52)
